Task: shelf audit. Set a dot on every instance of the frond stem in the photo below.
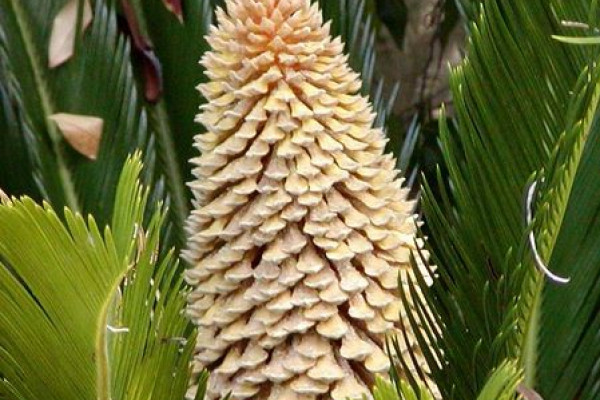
(529, 354)
(101, 353)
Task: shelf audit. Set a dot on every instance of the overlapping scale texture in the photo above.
(300, 226)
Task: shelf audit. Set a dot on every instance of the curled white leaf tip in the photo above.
(537, 258)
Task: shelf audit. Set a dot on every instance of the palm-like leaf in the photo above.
(512, 100)
(98, 82)
(37, 331)
(150, 361)
(570, 238)
(502, 383)
(66, 332)
(400, 390)
(13, 142)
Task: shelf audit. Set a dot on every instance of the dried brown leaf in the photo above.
(82, 132)
(175, 7)
(144, 52)
(62, 38)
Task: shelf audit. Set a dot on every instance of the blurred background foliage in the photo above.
(391, 42)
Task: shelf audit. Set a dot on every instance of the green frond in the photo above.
(23, 27)
(511, 96)
(502, 383)
(53, 334)
(151, 359)
(202, 382)
(554, 186)
(14, 147)
(569, 238)
(385, 390)
(97, 81)
(103, 320)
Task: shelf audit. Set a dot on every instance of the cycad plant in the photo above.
(515, 240)
(304, 264)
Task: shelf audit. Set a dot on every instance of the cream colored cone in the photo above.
(300, 225)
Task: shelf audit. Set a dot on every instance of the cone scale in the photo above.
(300, 226)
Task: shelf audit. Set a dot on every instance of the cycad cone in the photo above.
(300, 226)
